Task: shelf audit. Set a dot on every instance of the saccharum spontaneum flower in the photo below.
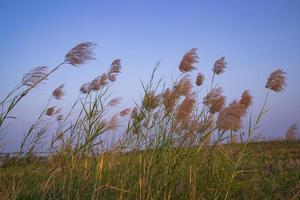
(59, 118)
(35, 76)
(230, 117)
(58, 92)
(185, 110)
(125, 112)
(188, 61)
(80, 54)
(115, 69)
(115, 66)
(99, 82)
(200, 79)
(50, 111)
(214, 100)
(276, 81)
(184, 86)
(169, 99)
(114, 102)
(246, 99)
(219, 66)
(85, 88)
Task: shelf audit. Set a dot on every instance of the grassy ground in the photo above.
(278, 165)
(270, 170)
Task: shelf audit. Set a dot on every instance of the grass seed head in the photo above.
(230, 117)
(125, 112)
(85, 88)
(246, 99)
(115, 66)
(50, 111)
(185, 110)
(112, 77)
(58, 92)
(80, 54)
(99, 82)
(200, 79)
(103, 79)
(169, 99)
(115, 101)
(34, 76)
(114, 70)
(219, 66)
(276, 81)
(59, 118)
(188, 61)
(184, 86)
(215, 100)
(95, 84)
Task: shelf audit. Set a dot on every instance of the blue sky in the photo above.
(255, 36)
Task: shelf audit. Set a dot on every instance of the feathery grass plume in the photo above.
(95, 84)
(80, 54)
(291, 133)
(59, 118)
(85, 88)
(246, 99)
(151, 100)
(34, 76)
(230, 117)
(114, 101)
(58, 92)
(113, 123)
(200, 79)
(115, 66)
(50, 111)
(114, 70)
(103, 79)
(169, 99)
(99, 82)
(219, 66)
(214, 100)
(184, 86)
(188, 60)
(185, 110)
(112, 77)
(276, 80)
(125, 112)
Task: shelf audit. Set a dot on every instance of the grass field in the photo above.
(270, 170)
(173, 144)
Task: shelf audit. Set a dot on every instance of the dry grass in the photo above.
(169, 147)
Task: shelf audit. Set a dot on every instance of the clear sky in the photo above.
(255, 36)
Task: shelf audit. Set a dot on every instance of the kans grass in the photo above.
(174, 144)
